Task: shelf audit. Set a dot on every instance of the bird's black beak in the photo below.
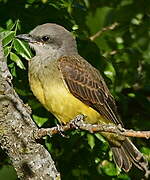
(26, 37)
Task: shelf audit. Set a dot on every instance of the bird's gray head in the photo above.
(51, 40)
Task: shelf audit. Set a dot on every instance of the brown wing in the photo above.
(86, 83)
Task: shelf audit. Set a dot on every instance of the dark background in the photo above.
(123, 57)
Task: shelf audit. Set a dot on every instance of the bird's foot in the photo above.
(77, 121)
(61, 131)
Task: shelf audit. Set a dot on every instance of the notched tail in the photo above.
(127, 154)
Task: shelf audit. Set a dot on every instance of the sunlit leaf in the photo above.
(110, 72)
(91, 140)
(100, 137)
(8, 38)
(17, 60)
(146, 152)
(39, 120)
(22, 49)
(7, 50)
(10, 24)
(109, 168)
(44, 1)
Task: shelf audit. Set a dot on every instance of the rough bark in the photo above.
(30, 159)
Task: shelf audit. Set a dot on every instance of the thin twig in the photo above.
(78, 123)
(111, 27)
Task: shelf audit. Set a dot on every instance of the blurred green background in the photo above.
(123, 57)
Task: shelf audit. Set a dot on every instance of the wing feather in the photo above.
(86, 83)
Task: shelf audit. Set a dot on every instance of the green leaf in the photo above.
(8, 38)
(1, 31)
(17, 60)
(146, 152)
(39, 120)
(8, 172)
(110, 71)
(22, 49)
(48, 145)
(7, 50)
(100, 137)
(109, 168)
(10, 24)
(91, 140)
(12, 69)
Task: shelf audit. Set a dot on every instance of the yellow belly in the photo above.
(59, 101)
(66, 107)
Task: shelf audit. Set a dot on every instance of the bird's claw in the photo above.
(61, 131)
(77, 120)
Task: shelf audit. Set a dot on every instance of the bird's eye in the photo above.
(45, 38)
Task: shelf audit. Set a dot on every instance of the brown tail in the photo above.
(127, 154)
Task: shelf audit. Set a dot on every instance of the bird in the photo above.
(67, 85)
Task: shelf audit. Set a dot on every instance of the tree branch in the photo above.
(111, 27)
(30, 159)
(78, 123)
